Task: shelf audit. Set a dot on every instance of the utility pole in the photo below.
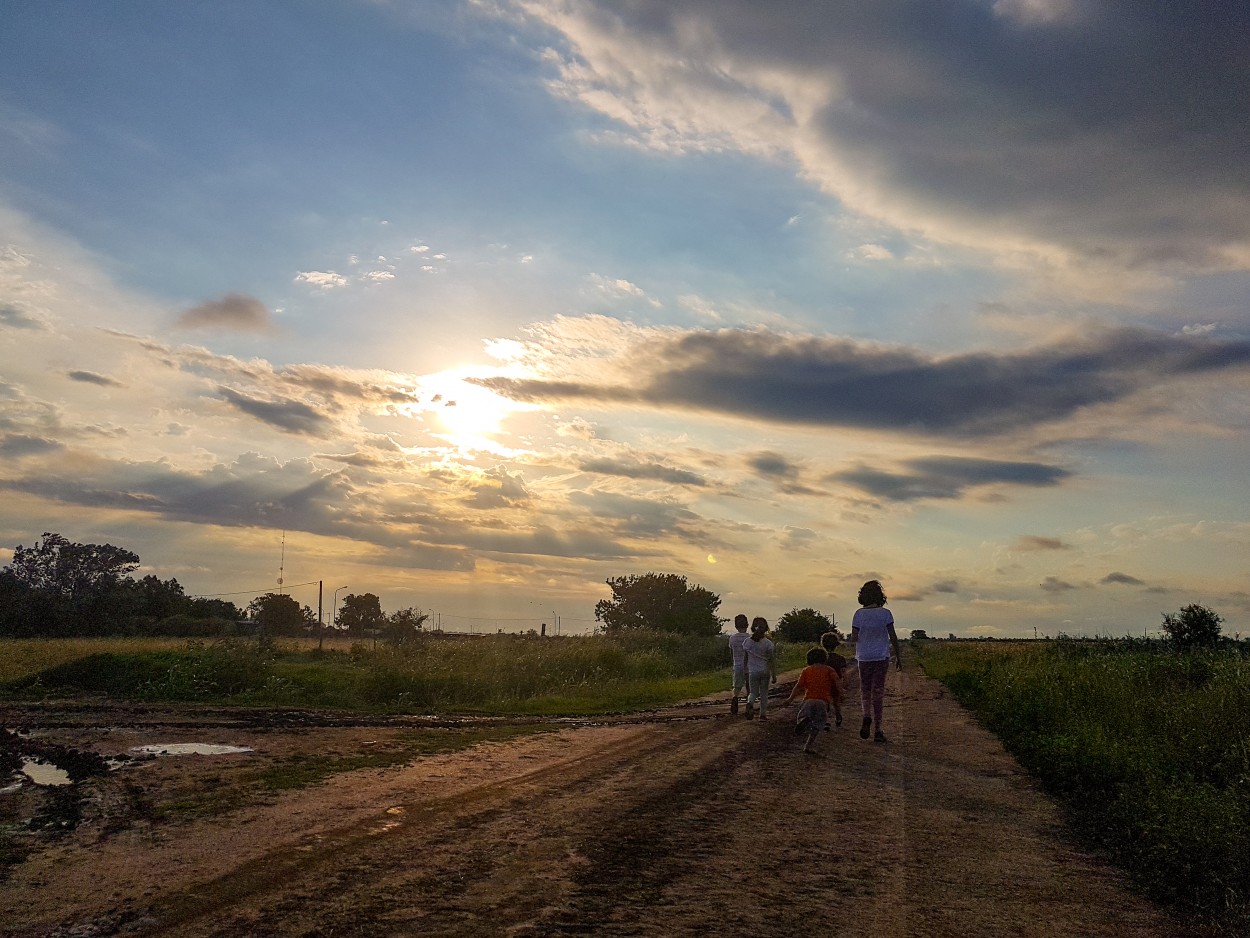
(321, 629)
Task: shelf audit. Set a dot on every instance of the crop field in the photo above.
(480, 674)
(1147, 748)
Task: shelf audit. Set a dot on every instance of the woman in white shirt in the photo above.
(872, 631)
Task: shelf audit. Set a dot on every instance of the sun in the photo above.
(468, 414)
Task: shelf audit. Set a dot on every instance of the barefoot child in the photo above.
(736, 642)
(819, 683)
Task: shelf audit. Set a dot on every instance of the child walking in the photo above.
(761, 667)
(736, 641)
(872, 631)
(821, 688)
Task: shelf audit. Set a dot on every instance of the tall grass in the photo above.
(1148, 748)
(487, 674)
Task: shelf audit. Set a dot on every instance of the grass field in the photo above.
(1147, 748)
(501, 674)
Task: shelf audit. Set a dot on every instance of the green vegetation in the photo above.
(1145, 745)
(483, 674)
(804, 625)
(661, 602)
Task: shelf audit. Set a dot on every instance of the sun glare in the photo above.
(469, 415)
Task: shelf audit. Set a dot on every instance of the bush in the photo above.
(803, 625)
(1194, 626)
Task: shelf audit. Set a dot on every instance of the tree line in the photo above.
(57, 587)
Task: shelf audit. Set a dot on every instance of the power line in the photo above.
(251, 592)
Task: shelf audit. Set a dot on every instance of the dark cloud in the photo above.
(837, 382)
(14, 318)
(1055, 585)
(258, 491)
(91, 377)
(1116, 130)
(233, 311)
(290, 416)
(1032, 542)
(1124, 578)
(947, 477)
(634, 469)
(19, 445)
(772, 465)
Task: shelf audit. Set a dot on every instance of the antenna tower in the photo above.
(282, 562)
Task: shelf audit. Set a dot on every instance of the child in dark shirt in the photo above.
(830, 642)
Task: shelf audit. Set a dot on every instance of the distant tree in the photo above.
(76, 571)
(201, 608)
(67, 588)
(1193, 626)
(918, 635)
(360, 612)
(153, 596)
(803, 625)
(404, 625)
(279, 614)
(661, 601)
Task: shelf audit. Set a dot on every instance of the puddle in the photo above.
(44, 773)
(190, 749)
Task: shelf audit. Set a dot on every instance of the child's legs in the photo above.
(872, 687)
(816, 712)
(740, 681)
(758, 685)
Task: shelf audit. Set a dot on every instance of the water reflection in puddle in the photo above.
(44, 773)
(190, 749)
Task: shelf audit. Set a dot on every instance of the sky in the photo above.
(474, 305)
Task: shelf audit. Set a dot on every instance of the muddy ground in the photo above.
(679, 822)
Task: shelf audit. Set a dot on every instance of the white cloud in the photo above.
(324, 279)
(871, 252)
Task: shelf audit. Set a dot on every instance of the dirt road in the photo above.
(690, 823)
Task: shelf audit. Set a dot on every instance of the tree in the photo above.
(661, 601)
(77, 571)
(918, 635)
(361, 612)
(404, 625)
(1193, 626)
(279, 614)
(803, 625)
(158, 598)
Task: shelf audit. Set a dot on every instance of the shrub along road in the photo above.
(687, 822)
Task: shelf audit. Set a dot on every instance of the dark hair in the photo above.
(817, 656)
(871, 594)
(740, 622)
(759, 625)
(830, 640)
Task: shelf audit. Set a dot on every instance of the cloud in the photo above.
(1055, 585)
(498, 488)
(825, 381)
(636, 517)
(634, 469)
(323, 279)
(1079, 132)
(1033, 542)
(1124, 578)
(772, 465)
(14, 318)
(233, 311)
(287, 415)
(794, 537)
(18, 445)
(947, 477)
(90, 377)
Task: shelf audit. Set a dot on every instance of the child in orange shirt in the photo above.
(830, 642)
(822, 690)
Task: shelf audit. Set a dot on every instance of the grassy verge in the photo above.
(505, 674)
(1146, 747)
